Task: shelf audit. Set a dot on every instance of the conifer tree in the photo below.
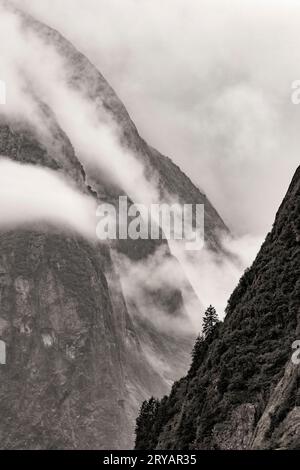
(197, 354)
(197, 347)
(145, 421)
(210, 319)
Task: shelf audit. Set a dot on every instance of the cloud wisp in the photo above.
(215, 77)
(30, 65)
(33, 195)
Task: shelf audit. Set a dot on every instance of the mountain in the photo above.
(81, 357)
(243, 390)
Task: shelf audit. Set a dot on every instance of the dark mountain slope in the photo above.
(83, 76)
(246, 391)
(54, 289)
(79, 360)
(57, 390)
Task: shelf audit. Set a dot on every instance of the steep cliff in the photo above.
(80, 359)
(243, 391)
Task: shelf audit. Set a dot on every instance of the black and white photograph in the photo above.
(150, 230)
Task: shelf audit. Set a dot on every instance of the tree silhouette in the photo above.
(145, 421)
(210, 320)
(197, 354)
(197, 347)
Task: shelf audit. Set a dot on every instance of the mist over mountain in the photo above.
(84, 347)
(92, 329)
(242, 390)
(208, 82)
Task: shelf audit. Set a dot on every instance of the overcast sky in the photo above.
(206, 82)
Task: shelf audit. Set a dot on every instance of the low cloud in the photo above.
(30, 66)
(208, 82)
(33, 195)
(204, 278)
(224, 122)
(214, 276)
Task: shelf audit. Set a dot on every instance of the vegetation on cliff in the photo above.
(239, 364)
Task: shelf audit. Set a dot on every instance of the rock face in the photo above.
(243, 390)
(80, 359)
